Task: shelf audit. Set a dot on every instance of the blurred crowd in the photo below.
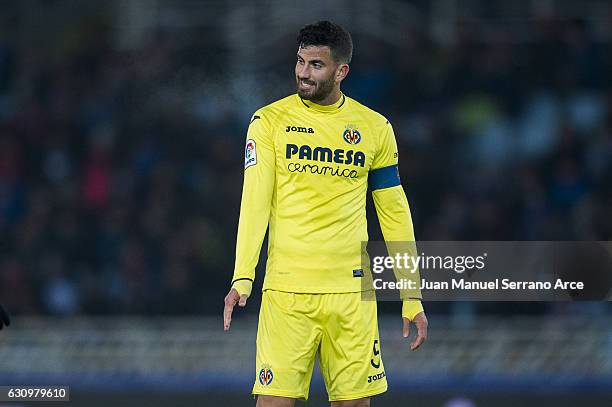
(121, 170)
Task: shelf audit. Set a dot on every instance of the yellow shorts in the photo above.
(342, 327)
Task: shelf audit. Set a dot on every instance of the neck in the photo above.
(332, 98)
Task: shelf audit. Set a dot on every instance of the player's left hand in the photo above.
(420, 320)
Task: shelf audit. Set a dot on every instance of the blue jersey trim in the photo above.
(385, 177)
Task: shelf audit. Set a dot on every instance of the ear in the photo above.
(341, 72)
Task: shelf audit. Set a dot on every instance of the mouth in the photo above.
(306, 85)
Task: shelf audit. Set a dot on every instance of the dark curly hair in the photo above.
(329, 34)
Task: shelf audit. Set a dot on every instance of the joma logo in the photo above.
(375, 377)
(299, 129)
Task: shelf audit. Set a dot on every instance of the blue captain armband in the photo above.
(385, 177)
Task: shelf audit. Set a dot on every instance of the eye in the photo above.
(317, 66)
(300, 61)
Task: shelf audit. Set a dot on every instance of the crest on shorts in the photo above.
(351, 135)
(265, 375)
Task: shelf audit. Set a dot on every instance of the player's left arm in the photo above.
(396, 224)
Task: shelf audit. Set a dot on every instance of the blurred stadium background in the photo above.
(122, 126)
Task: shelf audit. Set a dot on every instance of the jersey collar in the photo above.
(324, 108)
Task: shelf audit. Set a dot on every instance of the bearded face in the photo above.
(315, 73)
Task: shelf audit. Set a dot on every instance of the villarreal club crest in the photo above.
(351, 135)
(265, 375)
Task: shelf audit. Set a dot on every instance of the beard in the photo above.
(319, 91)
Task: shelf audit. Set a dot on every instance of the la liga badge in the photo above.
(250, 153)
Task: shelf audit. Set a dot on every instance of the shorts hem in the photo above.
(356, 396)
(302, 290)
(280, 393)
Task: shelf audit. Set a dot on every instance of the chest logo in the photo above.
(351, 135)
(299, 129)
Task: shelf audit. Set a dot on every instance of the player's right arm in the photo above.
(257, 192)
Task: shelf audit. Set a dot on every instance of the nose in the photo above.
(303, 72)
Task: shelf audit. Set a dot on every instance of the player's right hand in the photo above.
(231, 299)
(4, 318)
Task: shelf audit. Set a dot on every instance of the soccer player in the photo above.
(308, 161)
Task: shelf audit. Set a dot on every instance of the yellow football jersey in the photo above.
(306, 176)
